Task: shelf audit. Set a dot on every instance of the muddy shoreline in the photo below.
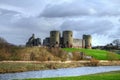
(23, 66)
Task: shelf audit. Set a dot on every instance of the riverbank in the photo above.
(22, 66)
(113, 75)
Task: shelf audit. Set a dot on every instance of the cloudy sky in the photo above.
(99, 18)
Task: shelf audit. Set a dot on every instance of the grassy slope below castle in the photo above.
(96, 53)
(101, 76)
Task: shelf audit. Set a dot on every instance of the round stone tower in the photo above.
(88, 41)
(67, 38)
(54, 38)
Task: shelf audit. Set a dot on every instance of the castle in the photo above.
(64, 41)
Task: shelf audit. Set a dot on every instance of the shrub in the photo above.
(57, 52)
(36, 53)
(76, 56)
(94, 62)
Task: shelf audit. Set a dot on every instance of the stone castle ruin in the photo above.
(33, 41)
(67, 40)
(64, 41)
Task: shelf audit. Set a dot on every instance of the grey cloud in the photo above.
(36, 24)
(82, 8)
(7, 16)
(26, 7)
(4, 12)
(87, 26)
(21, 3)
(65, 10)
(24, 27)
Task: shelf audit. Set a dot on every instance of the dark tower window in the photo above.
(56, 42)
(67, 42)
(52, 35)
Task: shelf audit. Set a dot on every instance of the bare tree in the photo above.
(2, 40)
(116, 42)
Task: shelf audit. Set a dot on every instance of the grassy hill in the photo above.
(11, 52)
(116, 51)
(96, 53)
(17, 53)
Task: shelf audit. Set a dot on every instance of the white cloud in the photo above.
(98, 40)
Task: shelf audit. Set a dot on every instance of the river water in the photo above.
(59, 72)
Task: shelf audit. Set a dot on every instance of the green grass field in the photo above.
(115, 75)
(96, 53)
(117, 51)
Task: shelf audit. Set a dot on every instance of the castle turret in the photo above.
(88, 41)
(54, 38)
(67, 38)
